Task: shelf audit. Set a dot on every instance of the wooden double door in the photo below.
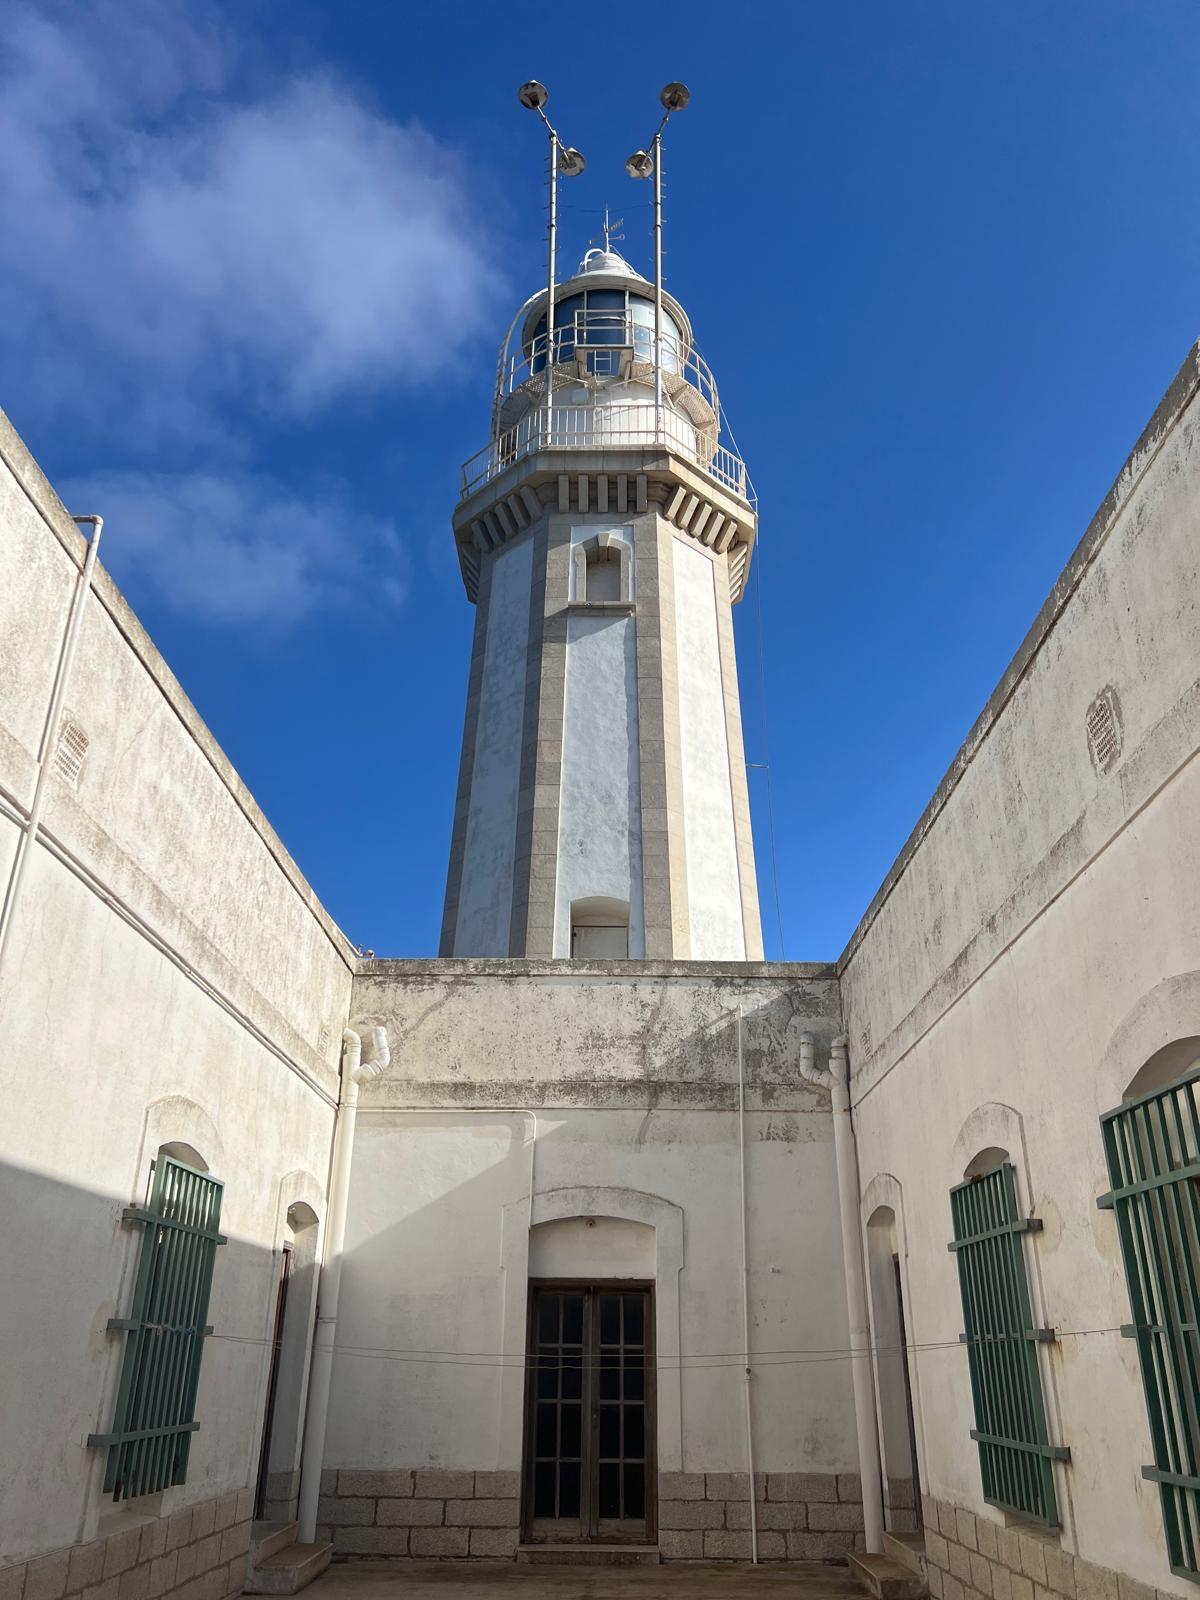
(589, 1416)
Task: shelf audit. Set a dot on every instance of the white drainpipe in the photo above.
(837, 1081)
(62, 677)
(355, 1070)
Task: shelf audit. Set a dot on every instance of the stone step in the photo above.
(589, 1555)
(907, 1550)
(289, 1570)
(269, 1538)
(886, 1579)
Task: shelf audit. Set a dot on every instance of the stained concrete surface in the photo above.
(479, 1580)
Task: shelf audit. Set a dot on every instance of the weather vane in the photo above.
(609, 236)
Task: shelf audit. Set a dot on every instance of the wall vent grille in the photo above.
(70, 751)
(865, 1040)
(323, 1039)
(1104, 734)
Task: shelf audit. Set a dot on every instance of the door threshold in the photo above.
(589, 1555)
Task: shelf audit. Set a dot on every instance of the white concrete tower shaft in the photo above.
(602, 807)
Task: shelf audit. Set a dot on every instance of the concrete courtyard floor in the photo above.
(483, 1580)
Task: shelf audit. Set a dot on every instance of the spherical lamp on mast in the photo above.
(533, 95)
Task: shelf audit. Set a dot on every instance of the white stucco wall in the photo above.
(632, 1079)
(1037, 946)
(167, 979)
(600, 818)
(485, 896)
(714, 887)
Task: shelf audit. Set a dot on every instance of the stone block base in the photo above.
(198, 1553)
(801, 1516)
(973, 1557)
(702, 1516)
(425, 1515)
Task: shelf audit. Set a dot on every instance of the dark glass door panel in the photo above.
(622, 1433)
(557, 1372)
(590, 1429)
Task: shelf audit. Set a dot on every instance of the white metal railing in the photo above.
(606, 427)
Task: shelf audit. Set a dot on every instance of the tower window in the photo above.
(603, 571)
(599, 929)
(602, 575)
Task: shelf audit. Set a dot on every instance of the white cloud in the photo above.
(240, 551)
(179, 237)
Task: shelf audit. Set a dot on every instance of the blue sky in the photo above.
(942, 258)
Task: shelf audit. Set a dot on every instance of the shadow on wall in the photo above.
(68, 1264)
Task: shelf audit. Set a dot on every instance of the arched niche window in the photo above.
(295, 1302)
(986, 1161)
(600, 929)
(603, 571)
(1175, 1060)
(897, 1427)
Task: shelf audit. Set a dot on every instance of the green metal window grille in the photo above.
(1015, 1454)
(165, 1331)
(1152, 1145)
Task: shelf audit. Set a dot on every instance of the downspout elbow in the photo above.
(376, 1056)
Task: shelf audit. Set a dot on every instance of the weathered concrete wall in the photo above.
(600, 810)
(1036, 942)
(170, 978)
(713, 884)
(627, 1074)
(602, 751)
(485, 897)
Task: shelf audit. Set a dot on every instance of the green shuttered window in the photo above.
(1015, 1453)
(1153, 1150)
(164, 1333)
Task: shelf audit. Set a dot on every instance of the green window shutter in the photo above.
(1015, 1453)
(1153, 1150)
(164, 1333)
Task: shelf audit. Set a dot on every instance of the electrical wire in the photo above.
(693, 1362)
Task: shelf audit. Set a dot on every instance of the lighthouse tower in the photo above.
(604, 537)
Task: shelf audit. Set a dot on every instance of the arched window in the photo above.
(147, 1449)
(1016, 1454)
(600, 929)
(1152, 1146)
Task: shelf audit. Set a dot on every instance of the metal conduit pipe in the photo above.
(62, 677)
(845, 1149)
(357, 1067)
(746, 1289)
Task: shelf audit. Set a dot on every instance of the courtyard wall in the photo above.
(613, 1087)
(1036, 943)
(171, 980)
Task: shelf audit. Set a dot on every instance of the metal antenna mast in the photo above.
(567, 160)
(641, 164)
